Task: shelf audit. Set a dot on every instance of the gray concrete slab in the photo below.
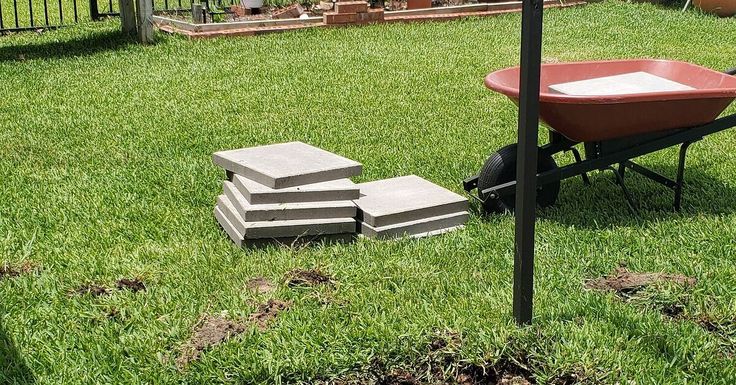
(335, 190)
(403, 199)
(240, 241)
(430, 233)
(230, 230)
(286, 211)
(231, 214)
(287, 164)
(437, 232)
(289, 228)
(415, 228)
(301, 241)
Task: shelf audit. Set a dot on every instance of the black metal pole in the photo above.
(526, 171)
(94, 12)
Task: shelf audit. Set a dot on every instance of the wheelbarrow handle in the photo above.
(731, 71)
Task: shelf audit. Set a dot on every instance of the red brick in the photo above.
(239, 11)
(418, 4)
(291, 12)
(351, 7)
(372, 16)
(340, 18)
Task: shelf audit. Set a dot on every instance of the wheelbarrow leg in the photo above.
(620, 180)
(579, 159)
(680, 175)
(622, 170)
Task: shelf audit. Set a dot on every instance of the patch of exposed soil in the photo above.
(211, 330)
(113, 314)
(310, 277)
(91, 289)
(268, 312)
(135, 285)
(505, 371)
(566, 379)
(449, 369)
(673, 310)
(10, 271)
(624, 282)
(443, 340)
(724, 329)
(260, 285)
(400, 377)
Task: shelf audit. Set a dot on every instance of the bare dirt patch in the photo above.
(444, 340)
(8, 270)
(400, 377)
(91, 289)
(310, 277)
(505, 371)
(113, 314)
(260, 285)
(724, 329)
(211, 330)
(624, 282)
(673, 310)
(450, 369)
(135, 285)
(267, 312)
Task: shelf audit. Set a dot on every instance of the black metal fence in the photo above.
(24, 15)
(210, 8)
(99, 9)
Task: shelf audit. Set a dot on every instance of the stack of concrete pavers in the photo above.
(352, 12)
(285, 193)
(408, 206)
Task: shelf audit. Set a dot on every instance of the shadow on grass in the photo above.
(603, 205)
(86, 45)
(13, 369)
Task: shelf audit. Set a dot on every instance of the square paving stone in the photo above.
(286, 211)
(287, 164)
(240, 240)
(421, 227)
(417, 228)
(289, 228)
(403, 199)
(334, 190)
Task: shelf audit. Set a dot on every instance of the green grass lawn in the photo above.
(106, 173)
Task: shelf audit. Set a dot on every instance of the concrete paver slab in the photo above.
(287, 164)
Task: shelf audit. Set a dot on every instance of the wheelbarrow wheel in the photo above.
(500, 168)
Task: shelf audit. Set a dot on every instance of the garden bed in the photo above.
(263, 24)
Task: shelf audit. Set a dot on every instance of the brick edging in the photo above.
(388, 18)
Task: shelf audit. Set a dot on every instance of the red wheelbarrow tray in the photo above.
(603, 117)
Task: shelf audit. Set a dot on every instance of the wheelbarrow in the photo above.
(611, 109)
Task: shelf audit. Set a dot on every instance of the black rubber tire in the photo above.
(500, 168)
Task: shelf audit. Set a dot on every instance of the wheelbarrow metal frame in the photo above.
(603, 155)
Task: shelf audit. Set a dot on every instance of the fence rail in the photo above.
(25, 15)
